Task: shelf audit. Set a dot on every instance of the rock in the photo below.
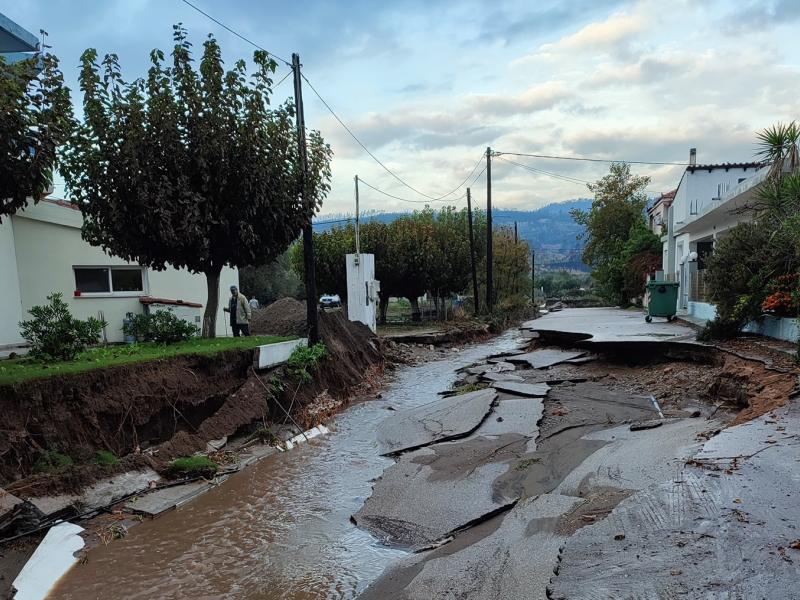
(652, 424)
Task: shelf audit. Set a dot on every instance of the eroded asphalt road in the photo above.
(582, 491)
(544, 479)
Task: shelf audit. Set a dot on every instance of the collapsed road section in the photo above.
(606, 485)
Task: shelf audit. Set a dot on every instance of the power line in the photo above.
(284, 78)
(587, 159)
(543, 172)
(236, 33)
(334, 221)
(390, 195)
(377, 160)
(380, 191)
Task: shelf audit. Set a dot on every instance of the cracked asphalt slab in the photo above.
(430, 493)
(559, 497)
(437, 421)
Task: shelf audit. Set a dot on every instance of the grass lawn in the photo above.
(22, 369)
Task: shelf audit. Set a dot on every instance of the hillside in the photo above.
(550, 230)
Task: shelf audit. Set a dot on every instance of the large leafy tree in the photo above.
(192, 166)
(616, 231)
(35, 118)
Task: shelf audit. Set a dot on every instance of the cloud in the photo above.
(506, 25)
(535, 98)
(761, 15)
(602, 35)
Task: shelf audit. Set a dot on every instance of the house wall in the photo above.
(10, 300)
(697, 189)
(48, 245)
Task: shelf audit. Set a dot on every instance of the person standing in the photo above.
(239, 309)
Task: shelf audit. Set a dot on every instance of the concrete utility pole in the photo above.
(472, 253)
(489, 255)
(308, 233)
(358, 231)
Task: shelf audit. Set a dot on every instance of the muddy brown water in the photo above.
(280, 529)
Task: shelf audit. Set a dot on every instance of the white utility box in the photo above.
(362, 289)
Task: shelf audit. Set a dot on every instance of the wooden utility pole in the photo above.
(516, 234)
(308, 233)
(533, 278)
(489, 255)
(472, 253)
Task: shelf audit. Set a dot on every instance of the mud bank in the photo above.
(149, 413)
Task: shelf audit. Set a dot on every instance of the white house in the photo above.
(710, 200)
(41, 252)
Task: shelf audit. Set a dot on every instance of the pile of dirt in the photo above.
(286, 316)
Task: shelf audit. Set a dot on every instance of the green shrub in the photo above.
(305, 359)
(50, 461)
(106, 458)
(54, 334)
(161, 326)
(193, 465)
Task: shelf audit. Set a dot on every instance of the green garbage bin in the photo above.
(663, 300)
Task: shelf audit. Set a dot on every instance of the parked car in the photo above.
(330, 301)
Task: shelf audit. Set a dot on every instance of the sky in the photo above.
(427, 86)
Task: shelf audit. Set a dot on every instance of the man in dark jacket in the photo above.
(239, 309)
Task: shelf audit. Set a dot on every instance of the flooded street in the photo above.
(280, 529)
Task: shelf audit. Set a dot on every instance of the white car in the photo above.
(330, 301)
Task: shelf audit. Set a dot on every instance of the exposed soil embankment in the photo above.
(152, 412)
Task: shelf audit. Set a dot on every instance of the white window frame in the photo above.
(112, 293)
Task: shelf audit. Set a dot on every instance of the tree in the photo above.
(191, 167)
(616, 213)
(35, 118)
(270, 282)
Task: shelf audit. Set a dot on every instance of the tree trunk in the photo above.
(383, 305)
(212, 302)
(415, 315)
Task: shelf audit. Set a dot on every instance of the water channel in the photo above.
(280, 529)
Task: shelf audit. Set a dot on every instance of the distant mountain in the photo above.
(550, 230)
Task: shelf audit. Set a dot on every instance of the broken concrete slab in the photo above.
(540, 359)
(512, 562)
(52, 558)
(440, 420)
(741, 521)
(8, 502)
(514, 416)
(492, 367)
(532, 390)
(501, 377)
(634, 460)
(103, 493)
(752, 437)
(607, 325)
(432, 492)
(154, 503)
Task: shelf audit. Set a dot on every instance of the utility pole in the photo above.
(472, 253)
(533, 278)
(489, 255)
(358, 230)
(516, 235)
(308, 233)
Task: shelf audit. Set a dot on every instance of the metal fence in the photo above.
(699, 290)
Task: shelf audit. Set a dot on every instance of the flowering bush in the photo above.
(784, 296)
